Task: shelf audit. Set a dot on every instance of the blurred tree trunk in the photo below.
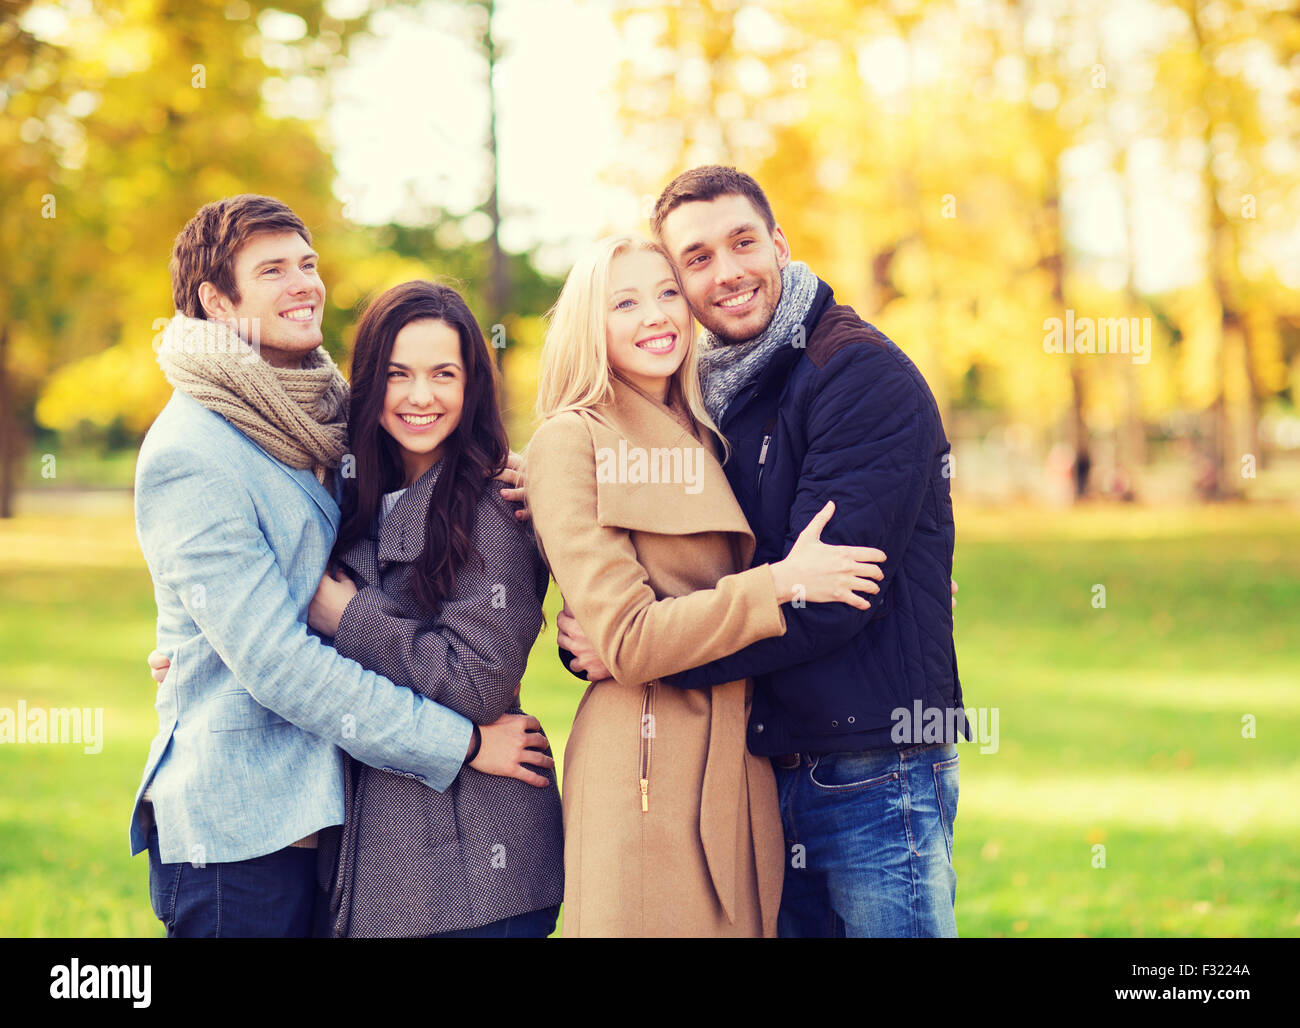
(10, 443)
(1132, 436)
(499, 295)
(933, 341)
(1053, 261)
(1051, 140)
(1223, 266)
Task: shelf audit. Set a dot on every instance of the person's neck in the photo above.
(417, 465)
(655, 388)
(282, 359)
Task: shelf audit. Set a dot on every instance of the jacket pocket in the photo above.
(239, 712)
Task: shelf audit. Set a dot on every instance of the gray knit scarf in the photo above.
(297, 415)
(727, 369)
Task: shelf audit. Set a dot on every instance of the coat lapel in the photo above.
(317, 492)
(307, 482)
(305, 479)
(654, 476)
(401, 537)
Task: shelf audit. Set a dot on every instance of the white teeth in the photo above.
(421, 419)
(736, 301)
(657, 344)
(301, 314)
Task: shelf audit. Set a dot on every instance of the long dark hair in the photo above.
(474, 453)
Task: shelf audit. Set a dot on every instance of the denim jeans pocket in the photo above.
(946, 789)
(164, 882)
(850, 772)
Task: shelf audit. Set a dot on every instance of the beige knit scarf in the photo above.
(297, 415)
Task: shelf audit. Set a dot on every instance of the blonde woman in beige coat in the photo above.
(671, 825)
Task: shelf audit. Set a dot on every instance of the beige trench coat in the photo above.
(671, 825)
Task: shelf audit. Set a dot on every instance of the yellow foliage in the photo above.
(121, 381)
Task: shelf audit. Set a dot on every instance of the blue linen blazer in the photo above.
(256, 711)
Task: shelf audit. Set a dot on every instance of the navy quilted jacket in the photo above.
(847, 418)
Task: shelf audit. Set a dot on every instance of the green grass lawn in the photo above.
(1118, 727)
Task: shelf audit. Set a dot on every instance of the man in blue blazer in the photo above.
(236, 514)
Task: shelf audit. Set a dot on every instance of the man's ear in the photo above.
(782, 247)
(215, 303)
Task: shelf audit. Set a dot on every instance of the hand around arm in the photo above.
(471, 652)
(197, 526)
(814, 571)
(818, 572)
(872, 449)
(572, 638)
(329, 602)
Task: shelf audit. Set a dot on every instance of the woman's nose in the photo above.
(420, 393)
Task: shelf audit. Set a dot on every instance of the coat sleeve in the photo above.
(471, 655)
(871, 450)
(639, 638)
(198, 527)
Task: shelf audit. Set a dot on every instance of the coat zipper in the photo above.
(646, 729)
(762, 457)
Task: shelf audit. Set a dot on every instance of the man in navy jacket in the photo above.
(860, 710)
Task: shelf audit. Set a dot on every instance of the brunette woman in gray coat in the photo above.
(439, 588)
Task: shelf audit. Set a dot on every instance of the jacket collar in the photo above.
(779, 367)
(306, 480)
(652, 475)
(401, 537)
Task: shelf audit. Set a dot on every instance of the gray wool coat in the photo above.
(408, 860)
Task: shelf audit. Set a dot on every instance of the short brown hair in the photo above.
(205, 248)
(708, 182)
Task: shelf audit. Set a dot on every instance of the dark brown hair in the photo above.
(708, 182)
(475, 451)
(205, 248)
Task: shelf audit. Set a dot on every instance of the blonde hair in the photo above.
(575, 369)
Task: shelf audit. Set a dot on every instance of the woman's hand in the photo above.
(571, 636)
(818, 572)
(158, 665)
(513, 475)
(508, 745)
(326, 607)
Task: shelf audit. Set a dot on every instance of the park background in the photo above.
(961, 172)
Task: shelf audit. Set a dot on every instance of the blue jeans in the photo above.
(869, 843)
(537, 924)
(264, 897)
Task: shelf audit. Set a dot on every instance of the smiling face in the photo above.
(648, 324)
(729, 263)
(281, 297)
(426, 391)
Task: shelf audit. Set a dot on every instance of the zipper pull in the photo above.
(762, 454)
(645, 795)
